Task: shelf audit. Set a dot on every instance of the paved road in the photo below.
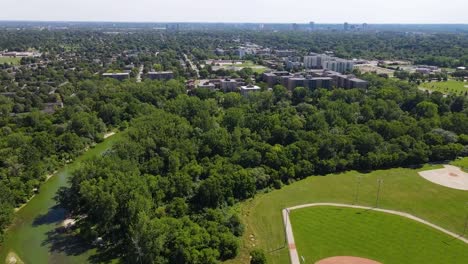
(192, 65)
(140, 71)
(294, 256)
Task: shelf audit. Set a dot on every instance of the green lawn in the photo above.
(403, 190)
(322, 232)
(462, 163)
(448, 87)
(10, 60)
(247, 64)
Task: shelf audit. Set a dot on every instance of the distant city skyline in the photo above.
(254, 11)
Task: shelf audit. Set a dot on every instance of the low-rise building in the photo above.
(229, 85)
(357, 83)
(117, 75)
(318, 82)
(161, 75)
(207, 85)
(285, 53)
(314, 79)
(295, 82)
(245, 90)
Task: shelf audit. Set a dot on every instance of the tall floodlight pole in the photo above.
(358, 185)
(380, 181)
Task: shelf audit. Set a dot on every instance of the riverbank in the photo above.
(32, 235)
(49, 176)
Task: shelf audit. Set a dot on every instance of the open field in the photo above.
(239, 65)
(448, 87)
(322, 232)
(10, 60)
(402, 190)
(462, 163)
(365, 68)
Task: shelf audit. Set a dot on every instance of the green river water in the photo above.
(32, 235)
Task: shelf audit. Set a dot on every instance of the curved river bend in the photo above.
(31, 236)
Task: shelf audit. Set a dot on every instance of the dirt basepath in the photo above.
(449, 176)
(294, 256)
(346, 260)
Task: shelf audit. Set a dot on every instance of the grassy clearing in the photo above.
(322, 232)
(448, 87)
(462, 163)
(403, 190)
(10, 60)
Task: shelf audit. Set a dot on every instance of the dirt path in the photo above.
(110, 134)
(294, 256)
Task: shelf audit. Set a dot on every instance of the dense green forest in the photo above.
(35, 144)
(164, 194)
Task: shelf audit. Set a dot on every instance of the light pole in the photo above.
(358, 185)
(380, 181)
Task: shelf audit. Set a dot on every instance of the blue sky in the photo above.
(289, 11)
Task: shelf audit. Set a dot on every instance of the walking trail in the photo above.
(294, 256)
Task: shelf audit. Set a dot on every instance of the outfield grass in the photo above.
(10, 60)
(322, 232)
(402, 190)
(448, 87)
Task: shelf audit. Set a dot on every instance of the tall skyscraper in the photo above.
(346, 26)
(311, 26)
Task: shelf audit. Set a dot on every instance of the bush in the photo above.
(257, 257)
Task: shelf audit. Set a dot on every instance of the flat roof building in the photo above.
(117, 75)
(245, 90)
(161, 75)
(229, 85)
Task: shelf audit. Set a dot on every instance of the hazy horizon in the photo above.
(240, 11)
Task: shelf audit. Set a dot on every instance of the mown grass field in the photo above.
(448, 87)
(322, 232)
(10, 60)
(247, 64)
(462, 163)
(402, 189)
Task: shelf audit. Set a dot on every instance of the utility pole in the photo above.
(358, 185)
(380, 181)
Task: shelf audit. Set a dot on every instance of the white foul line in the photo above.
(294, 256)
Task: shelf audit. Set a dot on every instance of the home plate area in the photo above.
(346, 260)
(449, 176)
